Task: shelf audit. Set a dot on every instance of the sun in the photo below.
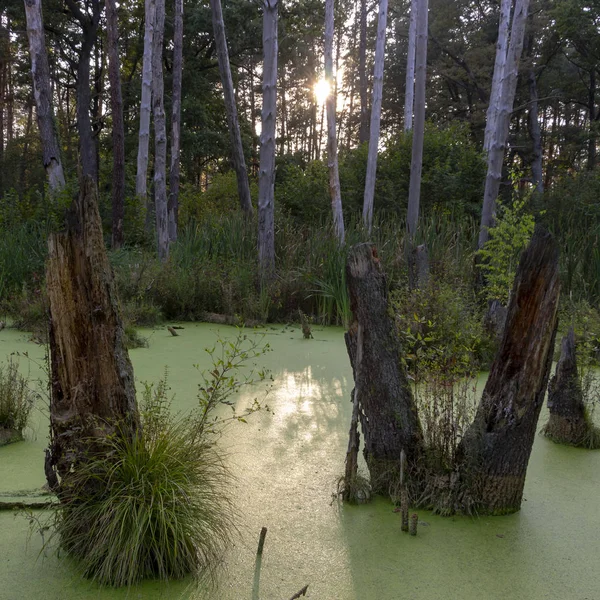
(322, 91)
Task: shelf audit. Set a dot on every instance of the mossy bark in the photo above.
(92, 384)
(495, 450)
(387, 411)
(568, 423)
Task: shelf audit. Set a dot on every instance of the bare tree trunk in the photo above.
(568, 423)
(141, 188)
(410, 67)
(93, 388)
(536, 135)
(592, 117)
(160, 135)
(89, 27)
(499, 66)
(266, 174)
(496, 448)
(332, 158)
(43, 97)
(173, 203)
(237, 150)
(499, 135)
(375, 116)
(416, 166)
(363, 134)
(118, 133)
(387, 410)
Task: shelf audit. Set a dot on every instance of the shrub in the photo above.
(157, 504)
(16, 400)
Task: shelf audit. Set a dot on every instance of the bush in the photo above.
(156, 504)
(16, 400)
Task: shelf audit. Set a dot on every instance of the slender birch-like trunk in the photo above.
(266, 174)
(500, 134)
(375, 116)
(499, 64)
(416, 166)
(173, 203)
(363, 134)
(409, 93)
(237, 150)
(118, 132)
(160, 135)
(43, 96)
(332, 157)
(141, 188)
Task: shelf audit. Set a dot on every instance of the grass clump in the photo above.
(157, 504)
(16, 401)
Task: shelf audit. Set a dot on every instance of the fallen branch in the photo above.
(302, 592)
(23, 505)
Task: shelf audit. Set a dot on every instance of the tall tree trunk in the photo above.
(43, 97)
(363, 134)
(93, 388)
(25, 158)
(375, 116)
(89, 27)
(266, 174)
(496, 448)
(416, 166)
(499, 135)
(173, 204)
(409, 93)
(536, 134)
(160, 135)
(332, 157)
(387, 410)
(141, 188)
(592, 117)
(118, 132)
(237, 150)
(499, 66)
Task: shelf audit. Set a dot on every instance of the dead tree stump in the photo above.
(92, 384)
(388, 414)
(496, 448)
(568, 423)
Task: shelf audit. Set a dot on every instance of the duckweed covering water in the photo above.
(287, 462)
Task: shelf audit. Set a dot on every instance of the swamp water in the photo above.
(286, 464)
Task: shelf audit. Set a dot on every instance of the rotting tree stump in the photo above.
(568, 422)
(495, 450)
(387, 410)
(92, 384)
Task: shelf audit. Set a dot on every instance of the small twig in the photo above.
(302, 592)
(261, 541)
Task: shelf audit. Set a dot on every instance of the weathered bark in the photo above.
(495, 451)
(568, 422)
(499, 135)
(237, 149)
(118, 131)
(173, 203)
(375, 116)
(409, 88)
(266, 174)
(89, 28)
(418, 266)
(363, 134)
(92, 384)
(43, 96)
(499, 66)
(416, 165)
(160, 135)
(495, 319)
(388, 413)
(141, 188)
(536, 135)
(332, 156)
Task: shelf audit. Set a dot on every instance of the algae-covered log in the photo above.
(388, 414)
(568, 422)
(92, 385)
(496, 448)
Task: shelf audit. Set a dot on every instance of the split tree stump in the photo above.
(92, 384)
(496, 448)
